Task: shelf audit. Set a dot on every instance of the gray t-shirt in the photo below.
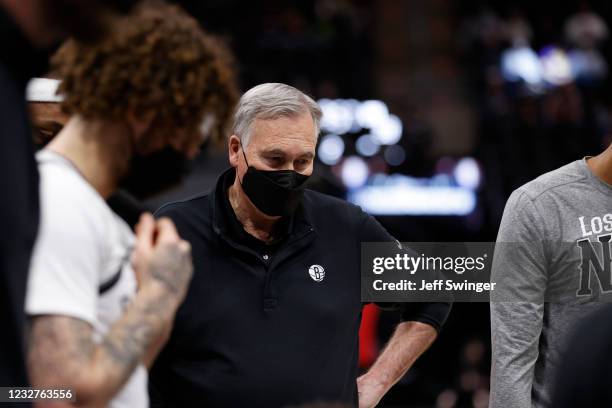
(554, 245)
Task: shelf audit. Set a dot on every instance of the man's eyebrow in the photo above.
(274, 151)
(308, 155)
(279, 152)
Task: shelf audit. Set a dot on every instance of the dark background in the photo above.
(437, 66)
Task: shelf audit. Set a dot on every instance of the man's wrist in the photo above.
(158, 292)
(375, 382)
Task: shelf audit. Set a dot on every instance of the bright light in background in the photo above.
(451, 191)
(338, 115)
(414, 200)
(369, 114)
(331, 149)
(388, 131)
(354, 172)
(342, 116)
(366, 145)
(467, 173)
(556, 66)
(395, 155)
(441, 194)
(522, 63)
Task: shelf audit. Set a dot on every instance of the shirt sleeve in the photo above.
(431, 313)
(64, 272)
(519, 269)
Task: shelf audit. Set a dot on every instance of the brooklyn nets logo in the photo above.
(316, 272)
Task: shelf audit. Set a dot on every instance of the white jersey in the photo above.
(80, 265)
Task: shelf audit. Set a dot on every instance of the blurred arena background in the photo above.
(434, 111)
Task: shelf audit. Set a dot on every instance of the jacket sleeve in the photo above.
(431, 313)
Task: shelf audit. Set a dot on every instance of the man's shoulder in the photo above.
(198, 205)
(57, 177)
(67, 200)
(563, 177)
(321, 200)
(323, 206)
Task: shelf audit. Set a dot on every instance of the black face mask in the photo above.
(274, 193)
(156, 172)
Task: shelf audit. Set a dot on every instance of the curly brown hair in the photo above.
(157, 59)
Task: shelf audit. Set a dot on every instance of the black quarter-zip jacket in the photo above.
(256, 330)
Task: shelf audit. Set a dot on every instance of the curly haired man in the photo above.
(136, 102)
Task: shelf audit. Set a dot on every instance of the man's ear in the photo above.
(233, 147)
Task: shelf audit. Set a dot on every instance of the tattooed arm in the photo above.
(62, 352)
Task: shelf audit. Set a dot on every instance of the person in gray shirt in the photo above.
(552, 263)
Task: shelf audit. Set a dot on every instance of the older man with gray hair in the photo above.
(273, 312)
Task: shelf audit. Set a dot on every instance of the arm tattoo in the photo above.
(59, 347)
(127, 343)
(172, 267)
(62, 351)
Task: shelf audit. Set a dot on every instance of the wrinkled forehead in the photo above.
(291, 132)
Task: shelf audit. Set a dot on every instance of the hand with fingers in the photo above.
(161, 257)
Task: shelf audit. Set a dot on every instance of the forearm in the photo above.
(63, 353)
(408, 342)
(132, 339)
(157, 345)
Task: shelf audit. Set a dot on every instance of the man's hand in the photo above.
(161, 257)
(370, 391)
(408, 342)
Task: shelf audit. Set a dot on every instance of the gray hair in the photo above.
(271, 101)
